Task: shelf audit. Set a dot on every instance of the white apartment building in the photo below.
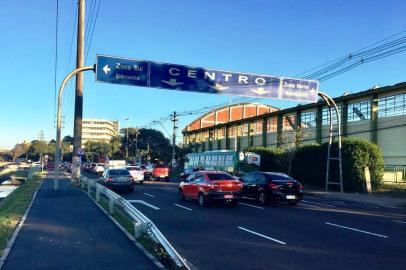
(100, 130)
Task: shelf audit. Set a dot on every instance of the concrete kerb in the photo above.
(17, 230)
(132, 238)
(377, 200)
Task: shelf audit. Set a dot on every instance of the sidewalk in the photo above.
(66, 230)
(378, 200)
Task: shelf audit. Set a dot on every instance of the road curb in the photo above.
(17, 230)
(138, 245)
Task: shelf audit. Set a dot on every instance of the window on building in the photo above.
(308, 119)
(272, 124)
(199, 137)
(359, 111)
(325, 115)
(205, 136)
(392, 106)
(243, 129)
(221, 133)
(256, 127)
(232, 131)
(289, 121)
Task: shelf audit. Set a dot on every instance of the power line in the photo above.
(92, 31)
(70, 66)
(341, 58)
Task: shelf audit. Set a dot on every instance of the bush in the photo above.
(272, 159)
(358, 154)
(309, 163)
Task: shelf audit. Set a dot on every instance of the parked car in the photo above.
(208, 186)
(268, 187)
(160, 172)
(137, 173)
(118, 179)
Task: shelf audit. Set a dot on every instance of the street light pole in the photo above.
(59, 122)
(174, 120)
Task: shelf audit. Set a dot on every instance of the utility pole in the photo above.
(174, 120)
(126, 146)
(136, 145)
(80, 61)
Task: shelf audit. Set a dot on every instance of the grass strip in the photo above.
(13, 207)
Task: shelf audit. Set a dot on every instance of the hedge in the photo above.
(309, 163)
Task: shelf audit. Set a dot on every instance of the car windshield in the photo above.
(219, 176)
(118, 172)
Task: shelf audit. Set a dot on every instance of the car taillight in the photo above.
(109, 179)
(273, 186)
(301, 187)
(214, 186)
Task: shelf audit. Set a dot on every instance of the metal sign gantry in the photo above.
(145, 73)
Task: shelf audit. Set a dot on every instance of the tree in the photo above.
(96, 150)
(37, 149)
(68, 139)
(151, 144)
(291, 141)
(19, 150)
(115, 146)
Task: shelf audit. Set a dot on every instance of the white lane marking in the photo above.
(144, 203)
(357, 230)
(309, 205)
(329, 205)
(264, 236)
(252, 205)
(399, 221)
(152, 196)
(178, 205)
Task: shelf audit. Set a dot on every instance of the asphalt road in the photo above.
(319, 233)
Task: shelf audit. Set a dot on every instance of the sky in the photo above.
(279, 38)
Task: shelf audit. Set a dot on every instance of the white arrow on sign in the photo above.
(260, 91)
(106, 69)
(172, 82)
(218, 87)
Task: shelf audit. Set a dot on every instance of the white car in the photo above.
(137, 173)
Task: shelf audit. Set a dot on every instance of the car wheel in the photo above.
(201, 200)
(181, 195)
(262, 198)
(293, 203)
(141, 182)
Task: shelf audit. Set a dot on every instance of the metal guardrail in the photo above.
(142, 224)
(394, 174)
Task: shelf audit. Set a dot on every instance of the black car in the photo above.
(268, 187)
(118, 179)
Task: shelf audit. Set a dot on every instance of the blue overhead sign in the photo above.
(187, 78)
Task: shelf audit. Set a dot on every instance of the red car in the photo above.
(160, 172)
(207, 186)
